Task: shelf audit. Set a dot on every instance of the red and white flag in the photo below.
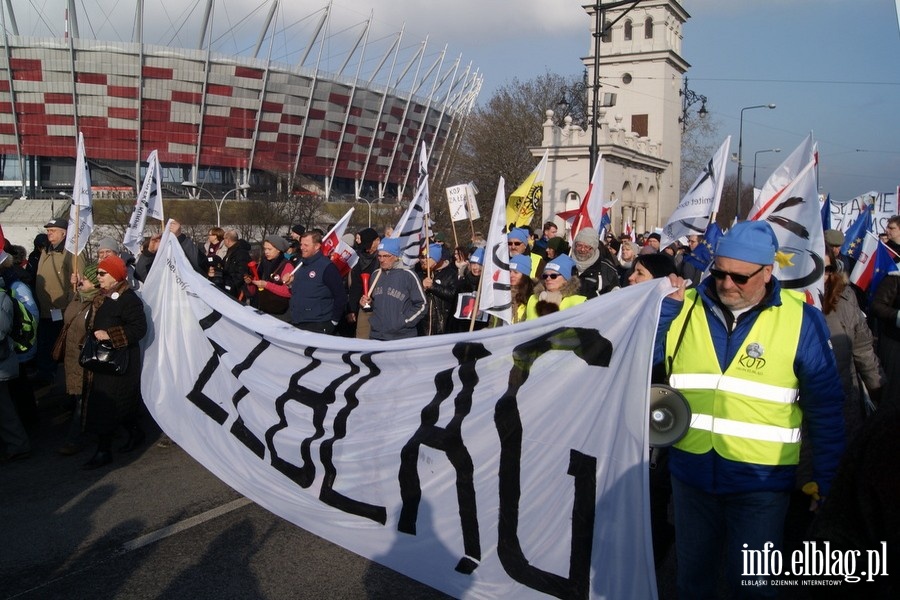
(590, 212)
(342, 255)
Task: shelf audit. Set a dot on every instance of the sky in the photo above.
(831, 67)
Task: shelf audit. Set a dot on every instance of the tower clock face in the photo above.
(626, 78)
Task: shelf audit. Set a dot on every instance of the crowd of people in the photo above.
(777, 388)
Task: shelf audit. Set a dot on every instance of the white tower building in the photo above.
(639, 137)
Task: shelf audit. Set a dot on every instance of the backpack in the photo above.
(24, 329)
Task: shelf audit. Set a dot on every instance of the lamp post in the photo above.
(689, 98)
(755, 155)
(737, 212)
(217, 202)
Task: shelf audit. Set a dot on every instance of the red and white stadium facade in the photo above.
(202, 109)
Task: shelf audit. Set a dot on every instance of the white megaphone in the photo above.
(670, 416)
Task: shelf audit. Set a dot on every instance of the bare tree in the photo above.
(699, 142)
(499, 134)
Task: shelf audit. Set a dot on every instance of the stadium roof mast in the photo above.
(12, 20)
(262, 92)
(395, 50)
(364, 39)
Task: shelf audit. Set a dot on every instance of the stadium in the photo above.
(231, 96)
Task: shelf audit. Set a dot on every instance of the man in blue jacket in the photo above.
(396, 297)
(318, 296)
(753, 361)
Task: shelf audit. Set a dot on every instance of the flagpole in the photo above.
(477, 300)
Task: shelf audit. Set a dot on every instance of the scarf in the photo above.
(584, 264)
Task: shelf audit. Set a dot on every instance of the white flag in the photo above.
(410, 227)
(775, 185)
(496, 295)
(149, 203)
(793, 212)
(691, 216)
(81, 213)
(515, 495)
(341, 254)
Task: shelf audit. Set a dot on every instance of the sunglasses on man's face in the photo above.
(514, 244)
(738, 278)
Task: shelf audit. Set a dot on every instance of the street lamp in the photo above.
(689, 98)
(757, 153)
(218, 202)
(737, 213)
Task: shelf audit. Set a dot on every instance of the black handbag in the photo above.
(99, 356)
(272, 304)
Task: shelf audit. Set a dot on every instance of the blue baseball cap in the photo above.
(521, 264)
(562, 264)
(749, 241)
(390, 245)
(518, 234)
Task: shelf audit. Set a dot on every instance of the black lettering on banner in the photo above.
(239, 428)
(327, 494)
(594, 350)
(201, 400)
(449, 441)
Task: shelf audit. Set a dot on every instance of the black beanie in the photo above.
(366, 237)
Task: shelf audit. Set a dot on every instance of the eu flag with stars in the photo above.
(703, 254)
(856, 233)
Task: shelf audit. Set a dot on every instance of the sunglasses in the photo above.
(514, 244)
(550, 275)
(738, 278)
(101, 273)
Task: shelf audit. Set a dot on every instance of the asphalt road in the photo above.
(156, 524)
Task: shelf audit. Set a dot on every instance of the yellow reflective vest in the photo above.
(749, 413)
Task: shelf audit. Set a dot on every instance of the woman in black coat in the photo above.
(117, 315)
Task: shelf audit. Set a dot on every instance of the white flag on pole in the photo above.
(149, 203)
(410, 229)
(496, 295)
(81, 213)
(791, 207)
(691, 216)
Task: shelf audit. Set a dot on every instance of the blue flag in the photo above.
(856, 233)
(826, 213)
(705, 251)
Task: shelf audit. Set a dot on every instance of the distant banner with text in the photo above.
(509, 462)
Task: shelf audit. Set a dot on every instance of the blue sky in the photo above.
(830, 66)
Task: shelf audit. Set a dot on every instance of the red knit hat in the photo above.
(115, 266)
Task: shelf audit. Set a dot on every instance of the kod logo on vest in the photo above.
(312, 274)
(753, 356)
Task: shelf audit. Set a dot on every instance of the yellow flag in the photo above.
(527, 198)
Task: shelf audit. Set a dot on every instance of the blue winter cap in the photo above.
(477, 257)
(518, 234)
(390, 245)
(562, 264)
(521, 264)
(435, 251)
(749, 241)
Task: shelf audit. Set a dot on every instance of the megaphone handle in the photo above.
(654, 456)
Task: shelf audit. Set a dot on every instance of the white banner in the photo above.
(843, 214)
(507, 463)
